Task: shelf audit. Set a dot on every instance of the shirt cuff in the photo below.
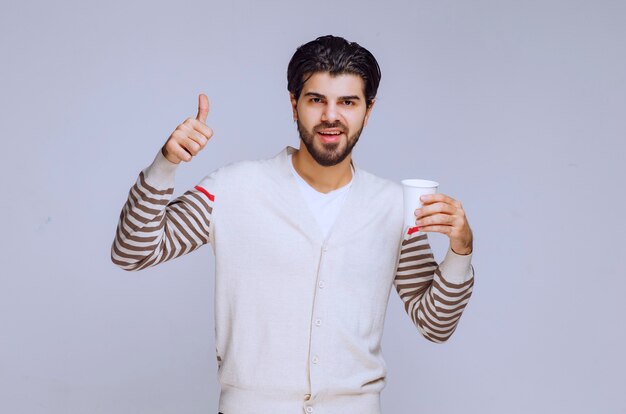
(161, 173)
(456, 268)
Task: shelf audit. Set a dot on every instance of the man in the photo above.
(307, 247)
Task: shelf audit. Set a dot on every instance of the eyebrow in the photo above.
(319, 95)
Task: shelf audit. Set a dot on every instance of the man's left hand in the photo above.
(443, 214)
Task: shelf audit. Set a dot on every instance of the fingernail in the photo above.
(418, 212)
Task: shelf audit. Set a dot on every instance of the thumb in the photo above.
(203, 108)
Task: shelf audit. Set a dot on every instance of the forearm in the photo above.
(152, 229)
(434, 295)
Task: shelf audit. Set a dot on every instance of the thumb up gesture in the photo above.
(190, 137)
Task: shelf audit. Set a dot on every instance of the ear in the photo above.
(368, 112)
(294, 106)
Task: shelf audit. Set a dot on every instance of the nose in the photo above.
(330, 112)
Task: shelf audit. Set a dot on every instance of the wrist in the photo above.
(456, 268)
(165, 154)
(461, 251)
(161, 172)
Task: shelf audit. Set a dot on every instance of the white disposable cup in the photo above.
(413, 189)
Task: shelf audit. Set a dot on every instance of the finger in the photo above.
(182, 153)
(433, 198)
(447, 230)
(436, 219)
(203, 108)
(197, 137)
(437, 207)
(173, 145)
(191, 146)
(202, 128)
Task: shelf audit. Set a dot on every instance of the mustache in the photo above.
(329, 126)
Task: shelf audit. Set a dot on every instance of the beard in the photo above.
(331, 153)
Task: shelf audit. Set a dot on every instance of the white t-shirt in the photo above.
(324, 206)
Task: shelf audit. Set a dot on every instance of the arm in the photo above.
(152, 229)
(434, 295)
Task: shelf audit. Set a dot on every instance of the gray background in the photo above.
(516, 108)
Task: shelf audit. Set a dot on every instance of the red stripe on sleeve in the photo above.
(413, 229)
(206, 193)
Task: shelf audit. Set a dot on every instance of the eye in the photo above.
(349, 103)
(316, 100)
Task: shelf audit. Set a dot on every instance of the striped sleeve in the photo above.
(434, 296)
(152, 228)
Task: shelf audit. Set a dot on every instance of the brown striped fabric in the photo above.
(152, 229)
(434, 304)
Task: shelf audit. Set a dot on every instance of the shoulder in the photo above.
(243, 171)
(380, 186)
(245, 167)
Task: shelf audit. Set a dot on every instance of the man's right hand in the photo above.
(190, 137)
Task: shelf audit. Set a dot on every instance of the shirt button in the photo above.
(315, 360)
(318, 322)
(309, 409)
(307, 396)
(321, 284)
(325, 248)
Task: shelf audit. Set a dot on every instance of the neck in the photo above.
(323, 179)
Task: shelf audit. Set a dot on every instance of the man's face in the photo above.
(329, 105)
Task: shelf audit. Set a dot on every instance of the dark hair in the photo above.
(337, 56)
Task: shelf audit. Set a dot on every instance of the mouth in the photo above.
(330, 135)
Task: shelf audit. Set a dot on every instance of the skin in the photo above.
(328, 102)
(326, 166)
(190, 137)
(443, 214)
